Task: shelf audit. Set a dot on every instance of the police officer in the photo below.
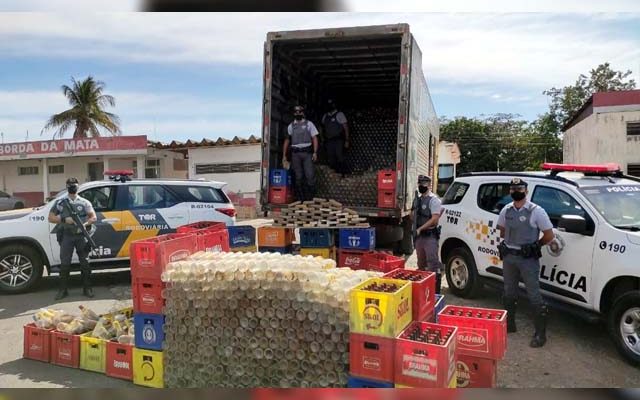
(303, 137)
(520, 223)
(426, 215)
(336, 134)
(72, 238)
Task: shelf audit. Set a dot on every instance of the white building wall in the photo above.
(237, 182)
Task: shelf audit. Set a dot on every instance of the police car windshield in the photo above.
(618, 204)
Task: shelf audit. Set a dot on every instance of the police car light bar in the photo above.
(120, 172)
(609, 168)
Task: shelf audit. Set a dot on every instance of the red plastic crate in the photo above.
(387, 180)
(37, 343)
(482, 332)
(381, 262)
(196, 226)
(386, 198)
(208, 240)
(147, 295)
(65, 349)
(425, 365)
(281, 195)
(119, 360)
(150, 256)
(371, 357)
(350, 259)
(475, 372)
(423, 294)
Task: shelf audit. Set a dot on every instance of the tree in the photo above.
(87, 111)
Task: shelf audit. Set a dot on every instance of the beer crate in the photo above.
(358, 238)
(36, 343)
(381, 262)
(423, 285)
(350, 259)
(149, 332)
(371, 357)
(317, 237)
(329, 253)
(281, 195)
(427, 361)
(241, 236)
(210, 236)
(147, 295)
(149, 257)
(475, 372)
(280, 178)
(148, 368)
(198, 226)
(482, 332)
(65, 349)
(247, 249)
(119, 360)
(380, 313)
(362, 383)
(386, 198)
(387, 180)
(272, 236)
(93, 353)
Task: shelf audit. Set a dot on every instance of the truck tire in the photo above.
(21, 268)
(624, 326)
(406, 243)
(462, 274)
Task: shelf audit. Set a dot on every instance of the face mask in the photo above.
(517, 196)
(423, 189)
(298, 117)
(72, 189)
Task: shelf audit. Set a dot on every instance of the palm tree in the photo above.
(87, 111)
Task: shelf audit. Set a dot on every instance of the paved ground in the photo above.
(577, 354)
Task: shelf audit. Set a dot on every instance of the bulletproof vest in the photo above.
(300, 133)
(518, 229)
(423, 211)
(332, 128)
(78, 207)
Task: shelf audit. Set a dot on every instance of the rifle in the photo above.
(78, 223)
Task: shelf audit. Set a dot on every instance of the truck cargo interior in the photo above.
(363, 76)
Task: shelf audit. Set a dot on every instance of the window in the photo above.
(455, 193)
(3, 194)
(22, 171)
(148, 197)
(202, 194)
(102, 198)
(151, 170)
(494, 196)
(557, 203)
(227, 168)
(633, 169)
(56, 169)
(633, 128)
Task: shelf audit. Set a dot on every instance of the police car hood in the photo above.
(15, 214)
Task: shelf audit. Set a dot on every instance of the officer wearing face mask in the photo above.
(70, 237)
(520, 224)
(303, 137)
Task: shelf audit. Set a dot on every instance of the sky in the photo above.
(193, 76)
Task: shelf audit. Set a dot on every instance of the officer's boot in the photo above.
(540, 324)
(64, 283)
(86, 283)
(510, 305)
(438, 282)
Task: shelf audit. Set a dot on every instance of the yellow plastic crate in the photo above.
(148, 368)
(93, 353)
(244, 249)
(378, 313)
(329, 252)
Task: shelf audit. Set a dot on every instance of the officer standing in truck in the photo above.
(520, 224)
(303, 137)
(71, 237)
(336, 134)
(427, 209)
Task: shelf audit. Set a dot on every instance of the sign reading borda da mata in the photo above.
(68, 147)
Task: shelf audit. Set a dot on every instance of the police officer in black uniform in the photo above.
(70, 237)
(336, 134)
(302, 134)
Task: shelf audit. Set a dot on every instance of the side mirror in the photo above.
(573, 224)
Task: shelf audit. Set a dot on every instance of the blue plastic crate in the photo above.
(279, 177)
(362, 383)
(438, 307)
(241, 236)
(281, 250)
(358, 238)
(149, 331)
(317, 238)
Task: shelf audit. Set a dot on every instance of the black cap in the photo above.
(424, 179)
(298, 108)
(517, 182)
(72, 181)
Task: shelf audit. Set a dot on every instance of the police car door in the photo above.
(566, 275)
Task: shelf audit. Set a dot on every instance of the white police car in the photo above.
(595, 211)
(127, 210)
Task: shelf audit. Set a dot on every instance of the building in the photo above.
(36, 170)
(606, 129)
(448, 160)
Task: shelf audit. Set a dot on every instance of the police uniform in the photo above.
(426, 243)
(301, 134)
(333, 124)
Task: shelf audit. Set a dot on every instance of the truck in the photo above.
(375, 75)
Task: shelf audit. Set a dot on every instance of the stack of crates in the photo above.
(381, 262)
(272, 239)
(210, 236)
(280, 187)
(423, 286)
(318, 242)
(481, 343)
(387, 189)
(353, 244)
(242, 239)
(380, 309)
(149, 257)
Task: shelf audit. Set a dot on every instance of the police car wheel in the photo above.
(462, 274)
(20, 268)
(624, 326)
